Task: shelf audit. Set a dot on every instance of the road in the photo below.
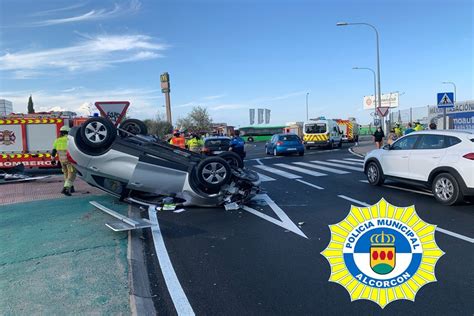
(237, 262)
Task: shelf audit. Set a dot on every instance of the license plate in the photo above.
(291, 149)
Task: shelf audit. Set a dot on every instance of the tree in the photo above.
(198, 120)
(158, 126)
(31, 108)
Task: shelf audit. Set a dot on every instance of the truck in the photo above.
(349, 129)
(28, 138)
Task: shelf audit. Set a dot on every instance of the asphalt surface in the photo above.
(234, 262)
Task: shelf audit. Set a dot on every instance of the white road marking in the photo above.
(177, 294)
(450, 233)
(353, 159)
(441, 230)
(259, 162)
(365, 181)
(337, 165)
(265, 178)
(353, 200)
(284, 222)
(408, 190)
(179, 211)
(355, 154)
(347, 162)
(310, 184)
(278, 172)
(337, 171)
(302, 170)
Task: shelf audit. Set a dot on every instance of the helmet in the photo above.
(64, 128)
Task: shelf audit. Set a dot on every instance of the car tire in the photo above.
(275, 152)
(301, 153)
(133, 126)
(232, 159)
(213, 172)
(374, 174)
(250, 139)
(446, 189)
(98, 132)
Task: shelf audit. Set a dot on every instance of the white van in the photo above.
(322, 132)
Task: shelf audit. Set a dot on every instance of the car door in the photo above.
(270, 144)
(395, 161)
(426, 156)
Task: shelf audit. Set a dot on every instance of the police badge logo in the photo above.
(382, 253)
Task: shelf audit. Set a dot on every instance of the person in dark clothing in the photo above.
(237, 144)
(433, 126)
(378, 137)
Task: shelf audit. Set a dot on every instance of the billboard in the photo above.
(388, 100)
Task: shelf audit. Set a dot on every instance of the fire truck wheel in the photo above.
(133, 126)
(98, 132)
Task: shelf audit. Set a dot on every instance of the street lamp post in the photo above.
(375, 83)
(379, 93)
(307, 115)
(455, 96)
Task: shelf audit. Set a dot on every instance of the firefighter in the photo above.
(195, 144)
(60, 148)
(398, 130)
(418, 127)
(178, 140)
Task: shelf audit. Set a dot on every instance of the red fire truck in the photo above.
(28, 138)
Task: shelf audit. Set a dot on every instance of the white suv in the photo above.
(440, 160)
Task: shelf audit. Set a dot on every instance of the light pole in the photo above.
(375, 83)
(307, 117)
(379, 93)
(455, 96)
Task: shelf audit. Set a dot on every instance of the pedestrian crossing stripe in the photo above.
(346, 162)
(315, 137)
(332, 164)
(279, 172)
(301, 170)
(336, 171)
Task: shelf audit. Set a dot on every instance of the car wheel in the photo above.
(301, 153)
(213, 172)
(250, 139)
(446, 189)
(232, 159)
(374, 174)
(98, 132)
(133, 126)
(275, 152)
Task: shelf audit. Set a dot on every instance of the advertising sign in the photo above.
(252, 116)
(388, 100)
(260, 116)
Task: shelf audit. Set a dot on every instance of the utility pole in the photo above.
(165, 88)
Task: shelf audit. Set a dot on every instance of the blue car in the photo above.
(284, 144)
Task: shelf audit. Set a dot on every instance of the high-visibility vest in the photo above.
(60, 144)
(418, 127)
(178, 141)
(195, 144)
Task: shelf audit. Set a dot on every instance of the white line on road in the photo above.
(355, 154)
(347, 162)
(337, 171)
(441, 230)
(353, 159)
(365, 181)
(278, 172)
(265, 178)
(259, 162)
(177, 294)
(284, 222)
(353, 200)
(302, 170)
(337, 165)
(310, 184)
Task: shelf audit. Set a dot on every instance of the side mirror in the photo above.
(387, 147)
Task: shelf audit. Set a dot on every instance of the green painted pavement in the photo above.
(58, 257)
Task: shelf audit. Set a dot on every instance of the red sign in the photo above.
(113, 110)
(382, 111)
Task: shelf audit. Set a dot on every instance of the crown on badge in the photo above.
(382, 239)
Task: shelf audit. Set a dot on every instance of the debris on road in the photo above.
(231, 206)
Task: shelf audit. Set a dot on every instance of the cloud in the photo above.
(144, 103)
(214, 97)
(89, 54)
(221, 107)
(92, 15)
(279, 97)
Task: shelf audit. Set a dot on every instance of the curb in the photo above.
(354, 153)
(141, 302)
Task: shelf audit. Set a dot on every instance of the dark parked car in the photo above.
(218, 145)
(281, 144)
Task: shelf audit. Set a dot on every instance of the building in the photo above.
(222, 129)
(6, 107)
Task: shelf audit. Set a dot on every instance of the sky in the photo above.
(229, 56)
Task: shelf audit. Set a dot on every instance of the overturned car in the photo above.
(126, 162)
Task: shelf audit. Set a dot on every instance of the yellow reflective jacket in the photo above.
(60, 144)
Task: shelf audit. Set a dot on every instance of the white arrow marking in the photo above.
(284, 222)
